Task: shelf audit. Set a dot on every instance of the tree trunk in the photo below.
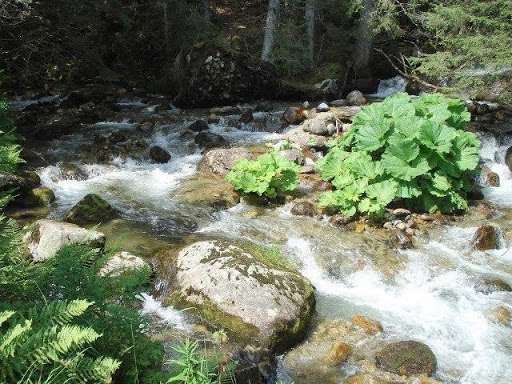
(310, 30)
(270, 30)
(364, 40)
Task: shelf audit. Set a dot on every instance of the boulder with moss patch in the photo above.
(206, 192)
(407, 358)
(92, 209)
(243, 290)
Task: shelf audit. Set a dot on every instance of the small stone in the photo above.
(213, 119)
(486, 237)
(401, 226)
(501, 316)
(400, 212)
(294, 116)
(146, 126)
(322, 107)
(305, 105)
(198, 126)
(340, 220)
(321, 186)
(303, 208)
(355, 98)
(247, 116)
(159, 155)
(407, 358)
(338, 353)
(371, 327)
(400, 240)
(331, 129)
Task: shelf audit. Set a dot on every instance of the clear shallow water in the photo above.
(427, 293)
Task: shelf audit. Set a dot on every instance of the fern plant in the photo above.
(45, 342)
(411, 149)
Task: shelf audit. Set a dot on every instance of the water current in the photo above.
(426, 293)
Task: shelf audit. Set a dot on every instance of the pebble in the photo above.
(323, 107)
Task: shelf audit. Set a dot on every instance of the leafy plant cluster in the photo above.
(270, 175)
(411, 149)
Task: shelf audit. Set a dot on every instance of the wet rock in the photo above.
(8, 181)
(492, 285)
(226, 110)
(322, 107)
(70, 171)
(340, 220)
(338, 103)
(48, 236)
(321, 186)
(122, 263)
(159, 155)
(303, 208)
(146, 126)
(508, 158)
(338, 353)
(319, 124)
(365, 378)
(489, 178)
(486, 237)
(294, 115)
(501, 316)
(486, 209)
(371, 327)
(220, 161)
(212, 194)
(355, 98)
(294, 155)
(243, 291)
(206, 139)
(246, 116)
(407, 358)
(254, 365)
(92, 209)
(213, 119)
(198, 126)
(36, 197)
(401, 240)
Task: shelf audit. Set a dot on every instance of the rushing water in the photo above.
(427, 293)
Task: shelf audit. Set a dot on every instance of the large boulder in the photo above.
(213, 76)
(159, 155)
(92, 209)
(487, 237)
(244, 292)
(212, 194)
(48, 236)
(407, 358)
(220, 161)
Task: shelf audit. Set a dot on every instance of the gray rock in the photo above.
(355, 98)
(322, 107)
(206, 139)
(213, 119)
(227, 110)
(508, 158)
(319, 124)
(122, 263)
(338, 103)
(49, 236)
(198, 126)
(243, 292)
(159, 155)
(220, 161)
(305, 139)
(407, 358)
(212, 194)
(294, 155)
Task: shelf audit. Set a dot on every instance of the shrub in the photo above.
(412, 149)
(270, 175)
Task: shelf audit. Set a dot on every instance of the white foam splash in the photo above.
(166, 315)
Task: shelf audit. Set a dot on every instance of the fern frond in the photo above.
(13, 338)
(60, 312)
(5, 315)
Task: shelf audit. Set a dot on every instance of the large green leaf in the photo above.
(401, 169)
(383, 192)
(373, 136)
(398, 106)
(406, 150)
(437, 137)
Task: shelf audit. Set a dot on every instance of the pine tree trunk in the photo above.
(364, 41)
(270, 30)
(310, 30)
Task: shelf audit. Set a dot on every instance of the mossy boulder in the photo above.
(36, 197)
(92, 209)
(244, 291)
(407, 358)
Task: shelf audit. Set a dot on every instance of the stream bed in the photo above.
(426, 293)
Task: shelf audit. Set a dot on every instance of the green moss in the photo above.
(91, 209)
(236, 327)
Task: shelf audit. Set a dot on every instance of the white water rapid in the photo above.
(426, 293)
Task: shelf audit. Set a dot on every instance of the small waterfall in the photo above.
(387, 87)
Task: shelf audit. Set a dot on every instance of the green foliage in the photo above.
(192, 368)
(413, 149)
(44, 344)
(9, 150)
(269, 175)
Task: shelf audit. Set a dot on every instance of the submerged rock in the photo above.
(47, 237)
(220, 161)
(407, 358)
(492, 285)
(198, 126)
(486, 237)
(244, 292)
(212, 194)
(92, 209)
(371, 327)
